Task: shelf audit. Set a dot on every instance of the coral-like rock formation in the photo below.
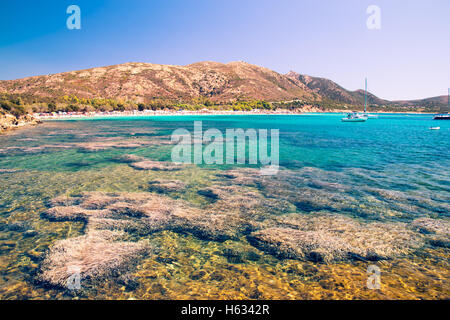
(89, 257)
(327, 238)
(437, 231)
(155, 165)
(129, 158)
(164, 186)
(145, 212)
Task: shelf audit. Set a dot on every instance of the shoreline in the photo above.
(147, 113)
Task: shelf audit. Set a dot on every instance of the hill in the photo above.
(144, 81)
(236, 85)
(334, 92)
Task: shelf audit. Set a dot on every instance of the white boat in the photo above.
(354, 117)
(359, 117)
(444, 116)
(435, 128)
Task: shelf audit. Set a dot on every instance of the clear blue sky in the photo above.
(408, 58)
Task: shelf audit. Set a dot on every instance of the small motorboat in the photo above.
(435, 128)
(370, 116)
(354, 117)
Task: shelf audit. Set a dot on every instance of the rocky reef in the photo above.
(145, 213)
(155, 165)
(240, 205)
(164, 186)
(437, 231)
(93, 256)
(333, 237)
(110, 216)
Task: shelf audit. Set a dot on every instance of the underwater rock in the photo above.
(165, 260)
(126, 225)
(92, 256)
(391, 195)
(163, 186)
(9, 170)
(92, 146)
(216, 276)
(130, 282)
(443, 243)
(128, 158)
(234, 196)
(124, 209)
(197, 275)
(155, 165)
(312, 190)
(327, 238)
(432, 226)
(242, 176)
(111, 217)
(333, 186)
(104, 145)
(311, 206)
(30, 233)
(410, 204)
(146, 213)
(64, 200)
(36, 149)
(252, 256)
(19, 226)
(216, 227)
(34, 255)
(61, 213)
(97, 200)
(209, 193)
(303, 245)
(245, 202)
(294, 187)
(232, 255)
(436, 231)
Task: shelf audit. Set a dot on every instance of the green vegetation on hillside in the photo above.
(13, 106)
(19, 105)
(22, 104)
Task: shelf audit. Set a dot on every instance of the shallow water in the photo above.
(391, 170)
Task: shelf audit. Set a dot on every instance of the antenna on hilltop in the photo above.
(365, 98)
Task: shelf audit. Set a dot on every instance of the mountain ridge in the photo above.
(219, 82)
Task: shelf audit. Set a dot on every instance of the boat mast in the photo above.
(365, 98)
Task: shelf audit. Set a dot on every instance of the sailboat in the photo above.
(444, 116)
(355, 116)
(368, 115)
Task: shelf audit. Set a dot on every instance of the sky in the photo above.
(407, 58)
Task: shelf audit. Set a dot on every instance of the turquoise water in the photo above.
(392, 169)
(316, 140)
